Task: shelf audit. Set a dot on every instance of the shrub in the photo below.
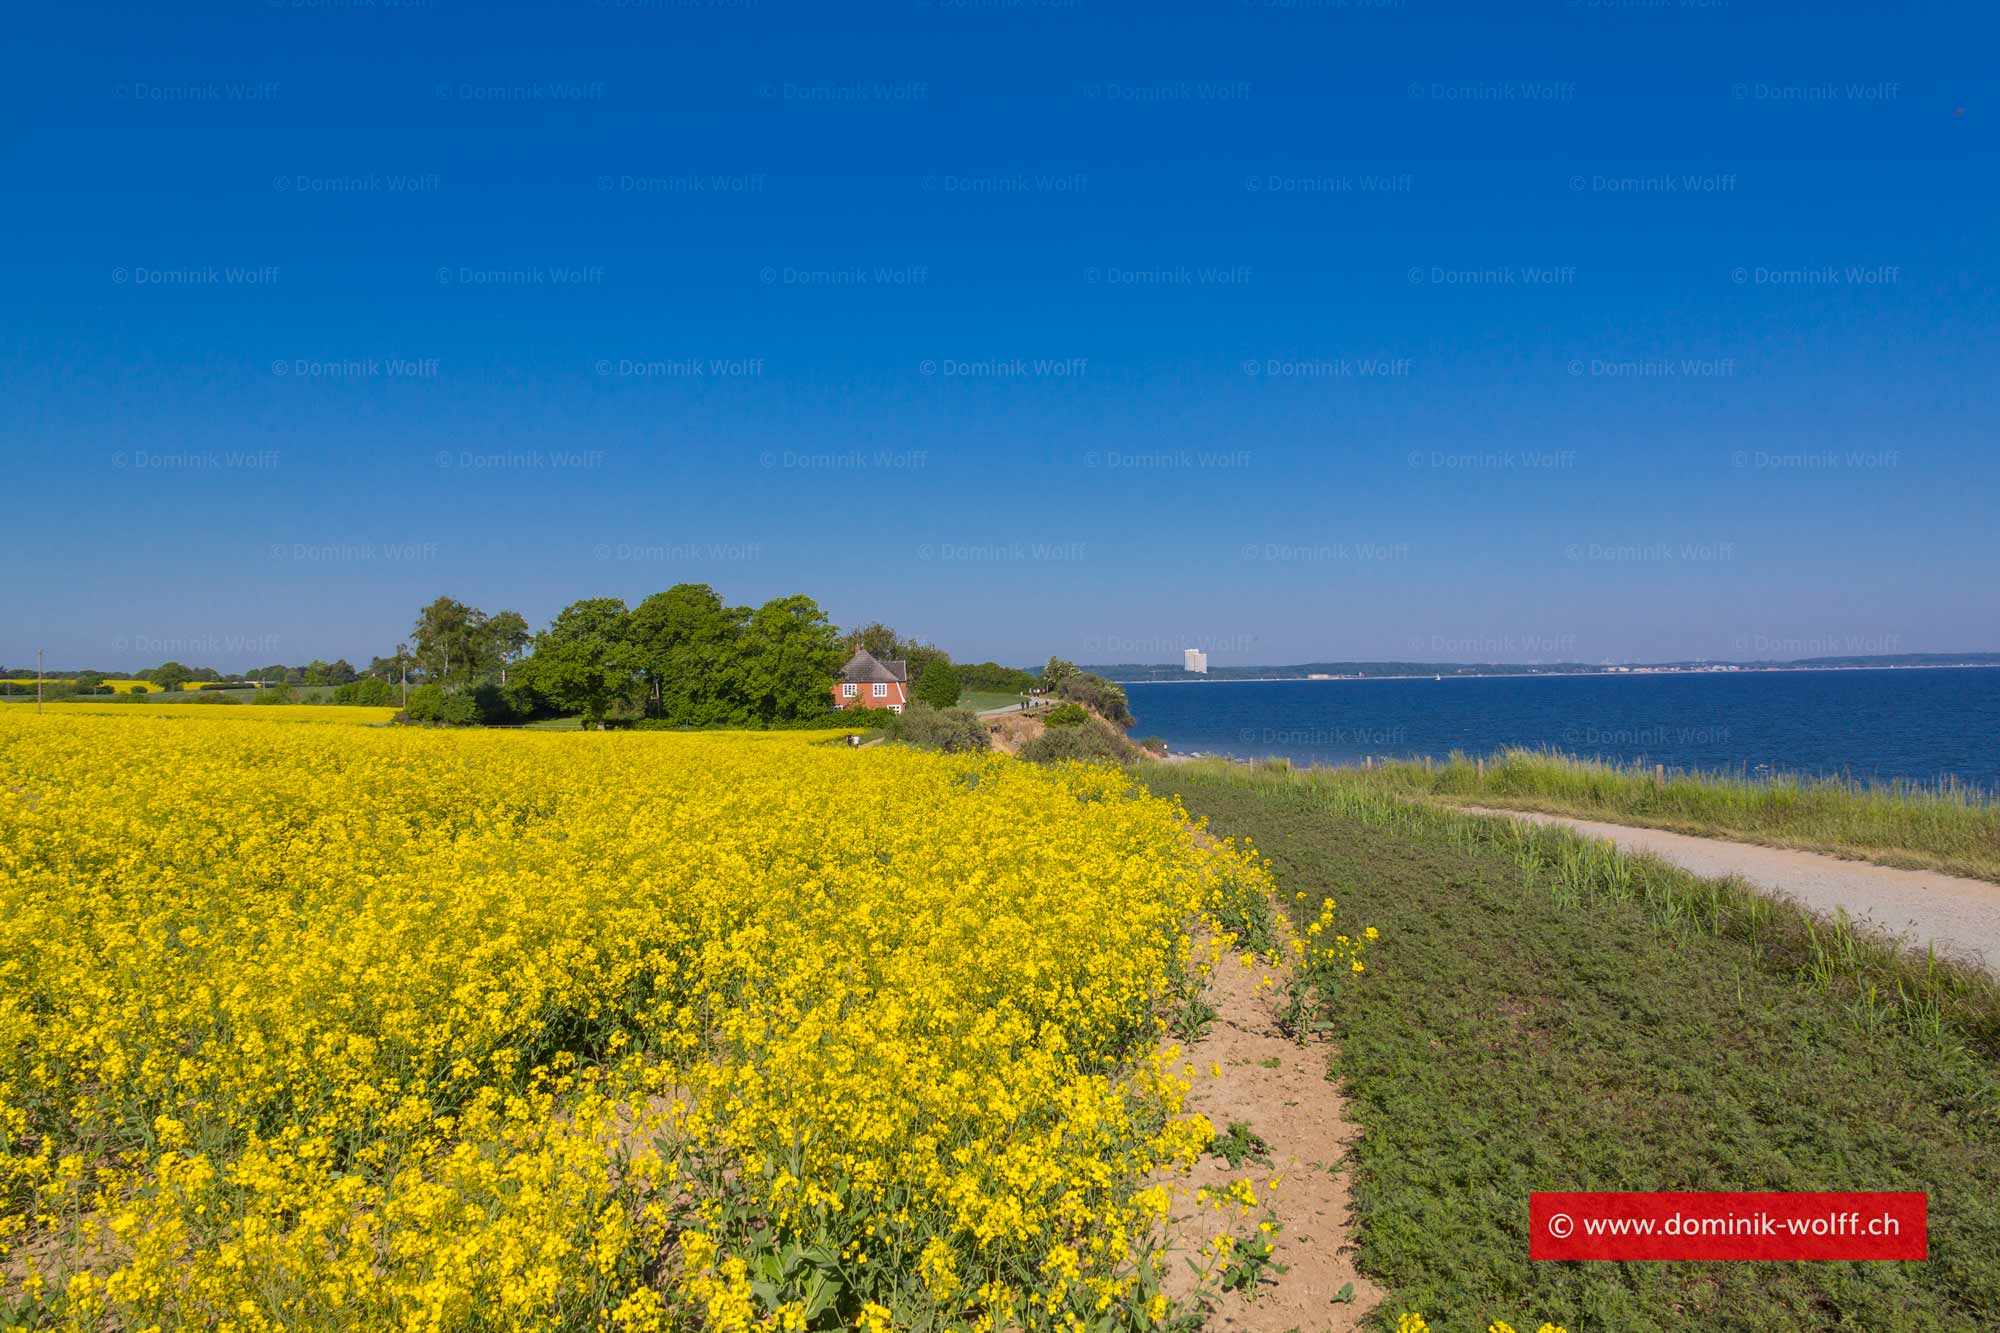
(369, 691)
(1066, 715)
(138, 689)
(1099, 695)
(426, 704)
(1154, 745)
(939, 685)
(992, 676)
(952, 730)
(459, 710)
(1089, 744)
(276, 694)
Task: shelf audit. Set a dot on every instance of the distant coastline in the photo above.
(1129, 673)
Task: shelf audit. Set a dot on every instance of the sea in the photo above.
(1921, 725)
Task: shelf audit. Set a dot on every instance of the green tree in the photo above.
(507, 636)
(688, 648)
(939, 686)
(582, 660)
(1056, 672)
(451, 643)
(790, 654)
(169, 676)
(317, 672)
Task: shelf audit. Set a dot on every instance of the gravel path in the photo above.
(1960, 916)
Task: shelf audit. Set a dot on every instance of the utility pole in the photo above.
(403, 665)
(38, 680)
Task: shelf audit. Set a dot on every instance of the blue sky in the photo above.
(1298, 331)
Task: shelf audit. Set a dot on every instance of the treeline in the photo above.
(682, 657)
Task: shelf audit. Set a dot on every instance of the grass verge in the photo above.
(1936, 827)
(1545, 1013)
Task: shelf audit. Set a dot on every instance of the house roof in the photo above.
(864, 668)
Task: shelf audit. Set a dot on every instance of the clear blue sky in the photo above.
(1297, 330)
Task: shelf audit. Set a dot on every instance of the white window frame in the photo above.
(881, 690)
(849, 690)
(895, 708)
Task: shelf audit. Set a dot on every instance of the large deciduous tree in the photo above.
(790, 654)
(687, 646)
(582, 660)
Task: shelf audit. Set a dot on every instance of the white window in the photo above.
(895, 708)
(881, 690)
(849, 690)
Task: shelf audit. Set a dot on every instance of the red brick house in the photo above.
(868, 682)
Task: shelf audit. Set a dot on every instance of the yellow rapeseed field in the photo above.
(348, 1027)
(350, 714)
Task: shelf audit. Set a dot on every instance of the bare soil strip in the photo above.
(1280, 1089)
(1959, 916)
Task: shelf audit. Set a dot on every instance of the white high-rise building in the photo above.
(1195, 660)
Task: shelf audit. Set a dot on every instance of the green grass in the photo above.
(574, 723)
(980, 700)
(1931, 827)
(1545, 1013)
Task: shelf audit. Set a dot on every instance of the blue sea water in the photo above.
(1875, 726)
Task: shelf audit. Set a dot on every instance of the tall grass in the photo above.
(1933, 826)
(1882, 983)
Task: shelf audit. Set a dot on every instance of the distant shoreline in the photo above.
(1562, 675)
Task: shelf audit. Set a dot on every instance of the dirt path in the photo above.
(1960, 916)
(1280, 1090)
